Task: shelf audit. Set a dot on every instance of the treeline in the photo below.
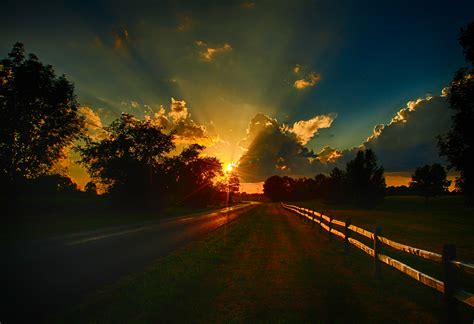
(362, 182)
(134, 162)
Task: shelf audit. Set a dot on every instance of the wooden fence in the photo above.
(451, 292)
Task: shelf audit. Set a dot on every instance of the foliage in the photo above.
(458, 144)
(128, 159)
(362, 183)
(430, 180)
(278, 188)
(38, 117)
(365, 180)
(191, 177)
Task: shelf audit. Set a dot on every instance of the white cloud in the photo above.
(306, 129)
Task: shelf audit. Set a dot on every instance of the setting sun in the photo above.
(229, 167)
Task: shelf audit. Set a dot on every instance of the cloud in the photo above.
(208, 53)
(329, 155)
(410, 138)
(306, 129)
(93, 122)
(178, 120)
(406, 141)
(272, 149)
(179, 111)
(309, 81)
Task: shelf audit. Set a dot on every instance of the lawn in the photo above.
(412, 220)
(268, 266)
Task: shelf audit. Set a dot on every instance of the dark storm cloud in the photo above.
(409, 140)
(272, 149)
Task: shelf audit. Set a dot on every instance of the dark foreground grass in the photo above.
(61, 215)
(268, 266)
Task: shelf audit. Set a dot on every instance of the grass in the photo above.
(411, 220)
(266, 267)
(62, 215)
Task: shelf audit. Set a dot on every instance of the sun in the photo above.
(229, 167)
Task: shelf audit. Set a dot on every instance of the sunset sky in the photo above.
(290, 88)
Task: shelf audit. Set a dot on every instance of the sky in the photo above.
(277, 87)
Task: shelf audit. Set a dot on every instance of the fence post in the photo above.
(449, 254)
(347, 234)
(320, 222)
(377, 233)
(330, 227)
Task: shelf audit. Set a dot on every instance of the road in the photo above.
(268, 266)
(41, 277)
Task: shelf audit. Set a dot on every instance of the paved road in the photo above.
(43, 276)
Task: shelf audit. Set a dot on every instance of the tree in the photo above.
(336, 186)
(365, 180)
(458, 144)
(430, 180)
(128, 160)
(277, 188)
(191, 176)
(38, 117)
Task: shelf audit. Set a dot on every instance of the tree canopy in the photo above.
(128, 159)
(430, 180)
(38, 117)
(458, 144)
(362, 182)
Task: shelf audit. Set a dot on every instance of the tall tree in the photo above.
(128, 160)
(458, 144)
(38, 117)
(365, 179)
(430, 180)
(191, 176)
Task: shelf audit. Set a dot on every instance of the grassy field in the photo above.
(411, 220)
(268, 266)
(53, 216)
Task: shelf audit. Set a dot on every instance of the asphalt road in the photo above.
(41, 277)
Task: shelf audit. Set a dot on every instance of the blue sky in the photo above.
(370, 58)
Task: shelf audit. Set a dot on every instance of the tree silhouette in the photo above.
(458, 144)
(38, 117)
(191, 176)
(365, 180)
(277, 188)
(336, 186)
(430, 180)
(128, 160)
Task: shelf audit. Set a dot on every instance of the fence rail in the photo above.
(447, 287)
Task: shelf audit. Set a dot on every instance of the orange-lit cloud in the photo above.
(309, 81)
(208, 53)
(329, 155)
(93, 122)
